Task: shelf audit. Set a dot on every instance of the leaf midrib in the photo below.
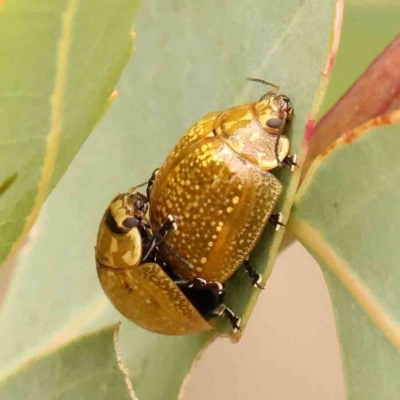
(56, 104)
(310, 237)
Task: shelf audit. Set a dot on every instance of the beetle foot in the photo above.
(276, 220)
(150, 183)
(169, 225)
(223, 310)
(256, 277)
(256, 280)
(218, 287)
(291, 161)
(233, 319)
(199, 283)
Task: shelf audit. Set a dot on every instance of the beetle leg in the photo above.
(150, 183)
(205, 296)
(233, 318)
(291, 161)
(199, 283)
(168, 225)
(276, 220)
(152, 246)
(174, 254)
(255, 276)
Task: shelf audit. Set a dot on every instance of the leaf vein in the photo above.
(306, 234)
(57, 100)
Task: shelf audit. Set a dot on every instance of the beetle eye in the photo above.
(130, 222)
(274, 123)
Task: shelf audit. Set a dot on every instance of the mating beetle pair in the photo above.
(209, 204)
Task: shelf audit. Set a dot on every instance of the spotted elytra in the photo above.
(217, 184)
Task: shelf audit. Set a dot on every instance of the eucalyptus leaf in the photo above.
(60, 61)
(346, 214)
(89, 367)
(190, 59)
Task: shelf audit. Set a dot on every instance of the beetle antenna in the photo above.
(276, 87)
(134, 188)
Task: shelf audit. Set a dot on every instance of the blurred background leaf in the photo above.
(86, 368)
(346, 214)
(376, 92)
(368, 27)
(60, 61)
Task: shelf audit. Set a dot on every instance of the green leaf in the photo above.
(60, 61)
(87, 368)
(173, 80)
(376, 92)
(346, 214)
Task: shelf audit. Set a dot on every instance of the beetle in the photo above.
(216, 181)
(149, 293)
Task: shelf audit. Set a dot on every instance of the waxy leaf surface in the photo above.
(89, 367)
(347, 216)
(189, 60)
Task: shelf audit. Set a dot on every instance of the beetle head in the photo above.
(119, 241)
(273, 111)
(126, 211)
(137, 203)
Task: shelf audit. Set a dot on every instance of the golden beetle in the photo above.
(147, 293)
(217, 183)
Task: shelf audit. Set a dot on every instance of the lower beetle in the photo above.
(149, 293)
(216, 181)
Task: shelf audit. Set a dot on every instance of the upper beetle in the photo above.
(217, 183)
